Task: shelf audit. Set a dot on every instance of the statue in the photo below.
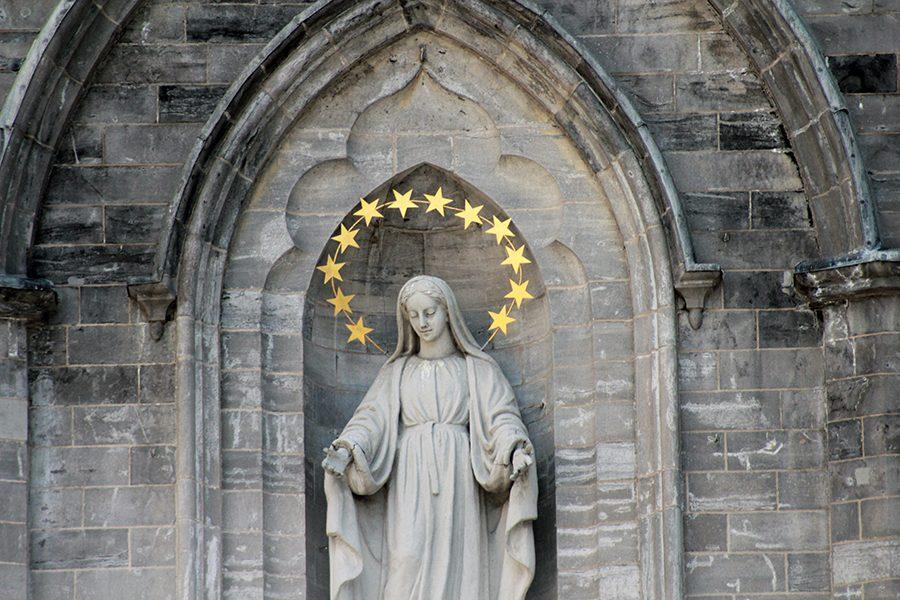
(431, 486)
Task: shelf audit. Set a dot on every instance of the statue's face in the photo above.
(427, 316)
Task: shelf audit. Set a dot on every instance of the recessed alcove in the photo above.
(337, 372)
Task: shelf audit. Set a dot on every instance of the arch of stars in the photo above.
(368, 211)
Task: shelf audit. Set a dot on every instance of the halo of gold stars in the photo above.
(369, 210)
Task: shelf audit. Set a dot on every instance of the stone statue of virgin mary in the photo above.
(431, 486)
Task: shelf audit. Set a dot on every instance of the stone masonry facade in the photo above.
(784, 481)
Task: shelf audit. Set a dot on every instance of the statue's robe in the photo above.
(358, 503)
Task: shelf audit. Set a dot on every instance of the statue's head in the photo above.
(427, 309)
(424, 305)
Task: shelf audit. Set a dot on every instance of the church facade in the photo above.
(678, 238)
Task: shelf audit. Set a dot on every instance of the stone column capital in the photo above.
(877, 274)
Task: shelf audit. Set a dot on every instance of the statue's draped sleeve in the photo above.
(496, 430)
(354, 522)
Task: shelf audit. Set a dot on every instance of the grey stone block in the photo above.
(13, 460)
(92, 264)
(721, 330)
(188, 103)
(705, 532)
(582, 17)
(644, 54)
(49, 426)
(845, 439)
(111, 185)
(75, 224)
(124, 424)
(879, 517)
(129, 506)
(15, 495)
(54, 467)
(730, 410)
(137, 64)
(83, 385)
(56, 508)
(882, 590)
(780, 210)
(754, 450)
(703, 451)
(136, 584)
(236, 23)
(153, 546)
(731, 491)
(845, 522)
(13, 542)
(81, 145)
(25, 16)
(720, 92)
(859, 34)
(749, 369)
(865, 561)
(717, 211)
(803, 409)
(157, 384)
(865, 478)
(226, 61)
(653, 92)
(134, 224)
(117, 344)
(46, 346)
(79, 549)
(803, 489)
(52, 585)
(149, 144)
(160, 23)
(153, 464)
(808, 573)
(106, 304)
(754, 289)
(751, 131)
(117, 104)
(697, 371)
(789, 530)
(789, 329)
(882, 435)
(637, 16)
(717, 573)
(684, 132)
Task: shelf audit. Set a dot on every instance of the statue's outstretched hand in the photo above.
(521, 460)
(336, 460)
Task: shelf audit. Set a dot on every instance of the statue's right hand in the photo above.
(336, 460)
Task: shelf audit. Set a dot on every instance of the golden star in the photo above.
(402, 202)
(342, 302)
(437, 202)
(501, 229)
(470, 214)
(515, 258)
(332, 270)
(368, 211)
(519, 292)
(500, 320)
(358, 331)
(346, 238)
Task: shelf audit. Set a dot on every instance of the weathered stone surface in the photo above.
(80, 548)
(731, 491)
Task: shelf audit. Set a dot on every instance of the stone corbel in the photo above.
(25, 298)
(693, 287)
(873, 273)
(157, 304)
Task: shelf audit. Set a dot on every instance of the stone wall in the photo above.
(787, 447)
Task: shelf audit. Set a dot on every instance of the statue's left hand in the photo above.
(521, 460)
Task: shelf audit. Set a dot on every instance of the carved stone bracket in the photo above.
(24, 298)
(157, 304)
(693, 287)
(873, 274)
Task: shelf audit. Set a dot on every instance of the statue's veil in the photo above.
(408, 339)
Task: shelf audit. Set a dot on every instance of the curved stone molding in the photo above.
(814, 116)
(48, 86)
(315, 53)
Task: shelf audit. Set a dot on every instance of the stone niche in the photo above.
(423, 112)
